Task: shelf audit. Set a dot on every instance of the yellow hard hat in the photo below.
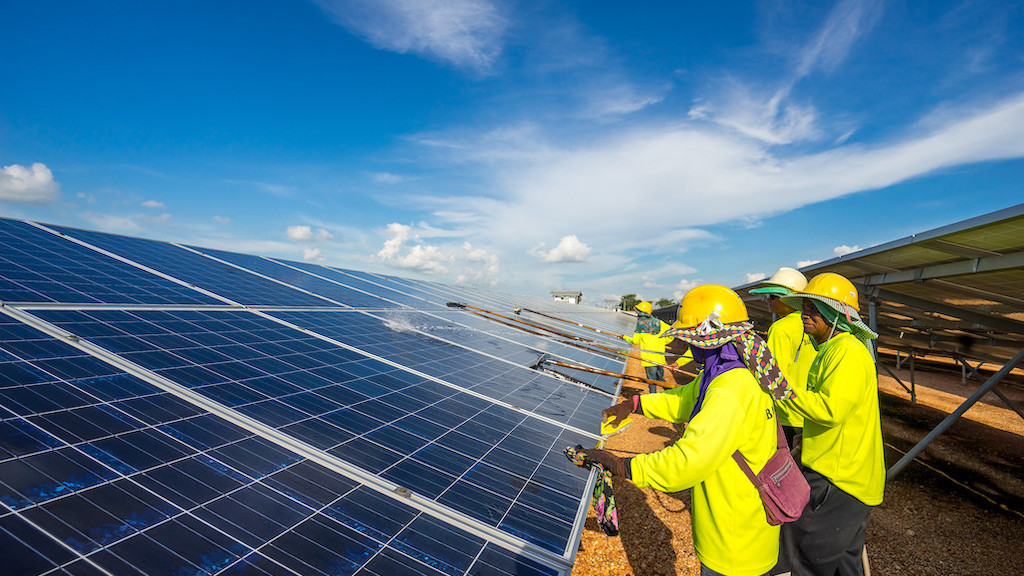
(700, 302)
(644, 307)
(833, 286)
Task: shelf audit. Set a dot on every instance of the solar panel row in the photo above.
(148, 427)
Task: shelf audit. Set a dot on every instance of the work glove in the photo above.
(610, 462)
(622, 410)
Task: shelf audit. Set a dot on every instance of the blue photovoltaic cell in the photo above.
(39, 266)
(520, 328)
(515, 384)
(133, 480)
(349, 278)
(227, 281)
(445, 444)
(104, 472)
(488, 336)
(342, 294)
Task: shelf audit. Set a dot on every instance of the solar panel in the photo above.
(110, 472)
(312, 281)
(234, 284)
(169, 430)
(39, 266)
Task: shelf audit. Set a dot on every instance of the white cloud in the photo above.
(306, 234)
(153, 204)
(222, 220)
(753, 277)
(89, 198)
(482, 267)
(313, 255)
(398, 233)
(804, 263)
(465, 33)
(32, 185)
(300, 233)
(685, 286)
(569, 249)
(844, 250)
(422, 257)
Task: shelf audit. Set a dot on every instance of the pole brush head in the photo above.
(456, 305)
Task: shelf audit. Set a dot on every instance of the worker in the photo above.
(649, 336)
(842, 440)
(790, 346)
(726, 409)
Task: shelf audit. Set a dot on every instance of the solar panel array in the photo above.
(168, 409)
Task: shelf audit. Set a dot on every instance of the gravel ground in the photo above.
(958, 509)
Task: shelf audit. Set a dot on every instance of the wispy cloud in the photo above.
(464, 33)
(124, 224)
(153, 204)
(685, 179)
(848, 21)
(279, 190)
(771, 115)
(31, 185)
(386, 178)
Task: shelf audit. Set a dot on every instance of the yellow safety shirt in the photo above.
(652, 346)
(731, 533)
(794, 352)
(842, 429)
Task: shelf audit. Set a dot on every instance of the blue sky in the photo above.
(522, 146)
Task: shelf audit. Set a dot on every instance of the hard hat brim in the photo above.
(780, 290)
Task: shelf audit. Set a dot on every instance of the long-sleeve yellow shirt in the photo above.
(731, 533)
(794, 352)
(652, 346)
(842, 429)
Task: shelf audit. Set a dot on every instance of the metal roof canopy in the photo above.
(955, 291)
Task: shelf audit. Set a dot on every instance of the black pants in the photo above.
(828, 538)
(793, 435)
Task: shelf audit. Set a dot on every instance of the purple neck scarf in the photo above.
(716, 362)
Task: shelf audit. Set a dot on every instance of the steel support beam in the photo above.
(952, 418)
(948, 270)
(1004, 324)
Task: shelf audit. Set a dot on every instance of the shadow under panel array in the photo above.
(151, 424)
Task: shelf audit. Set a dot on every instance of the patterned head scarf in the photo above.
(837, 314)
(647, 324)
(752, 349)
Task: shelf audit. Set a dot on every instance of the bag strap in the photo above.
(781, 444)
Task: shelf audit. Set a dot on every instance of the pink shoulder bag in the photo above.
(782, 486)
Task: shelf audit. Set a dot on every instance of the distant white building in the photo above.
(573, 296)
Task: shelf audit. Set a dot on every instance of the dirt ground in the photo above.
(958, 509)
